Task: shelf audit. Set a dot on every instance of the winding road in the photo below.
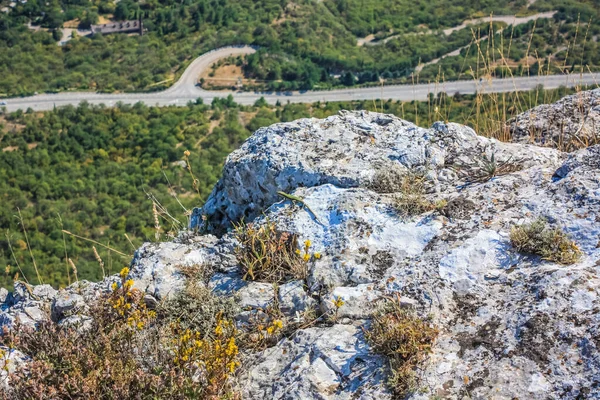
(185, 89)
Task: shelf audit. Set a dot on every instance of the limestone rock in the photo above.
(346, 150)
(4, 295)
(293, 299)
(44, 292)
(157, 267)
(358, 301)
(319, 363)
(67, 303)
(11, 360)
(513, 325)
(570, 123)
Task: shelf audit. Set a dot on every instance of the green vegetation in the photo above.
(305, 43)
(405, 339)
(550, 243)
(96, 172)
(99, 172)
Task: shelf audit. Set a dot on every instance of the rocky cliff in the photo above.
(512, 325)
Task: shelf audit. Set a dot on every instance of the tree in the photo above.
(348, 79)
(89, 18)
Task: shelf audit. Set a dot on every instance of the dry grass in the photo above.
(492, 112)
(410, 197)
(551, 244)
(489, 167)
(405, 339)
(269, 255)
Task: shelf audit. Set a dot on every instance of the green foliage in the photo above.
(304, 44)
(88, 170)
(550, 243)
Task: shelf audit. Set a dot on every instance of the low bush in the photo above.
(551, 244)
(197, 308)
(127, 352)
(405, 339)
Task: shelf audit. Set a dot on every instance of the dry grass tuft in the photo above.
(489, 168)
(411, 198)
(551, 244)
(405, 339)
(269, 255)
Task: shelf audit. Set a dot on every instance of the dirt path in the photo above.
(514, 22)
(508, 19)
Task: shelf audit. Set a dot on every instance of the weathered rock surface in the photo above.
(571, 123)
(511, 325)
(346, 150)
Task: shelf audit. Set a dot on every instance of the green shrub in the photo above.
(405, 339)
(551, 244)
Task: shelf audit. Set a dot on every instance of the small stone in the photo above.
(4, 295)
(257, 295)
(357, 301)
(225, 284)
(151, 302)
(44, 292)
(81, 323)
(66, 304)
(293, 298)
(35, 313)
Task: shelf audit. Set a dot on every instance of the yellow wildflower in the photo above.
(114, 286)
(124, 272)
(307, 243)
(306, 257)
(338, 302)
(317, 256)
(231, 366)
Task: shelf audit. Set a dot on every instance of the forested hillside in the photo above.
(305, 44)
(98, 172)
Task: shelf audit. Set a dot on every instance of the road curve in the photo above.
(185, 90)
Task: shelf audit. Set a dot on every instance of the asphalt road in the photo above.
(185, 90)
